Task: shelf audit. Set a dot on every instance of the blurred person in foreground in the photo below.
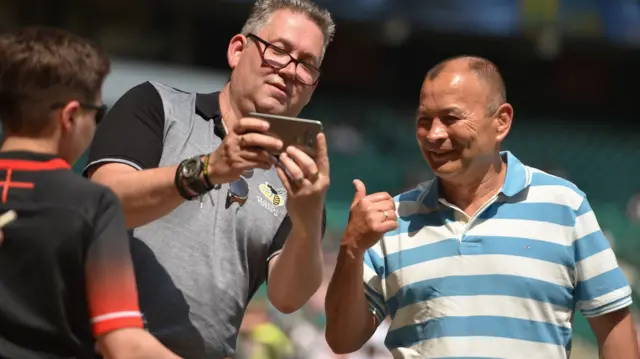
(66, 276)
(489, 259)
(212, 217)
(260, 338)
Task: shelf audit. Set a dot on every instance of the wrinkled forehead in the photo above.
(451, 89)
(294, 32)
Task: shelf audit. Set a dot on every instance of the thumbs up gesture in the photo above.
(370, 217)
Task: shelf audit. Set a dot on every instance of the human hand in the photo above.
(246, 147)
(370, 217)
(307, 187)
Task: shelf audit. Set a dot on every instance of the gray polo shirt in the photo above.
(198, 266)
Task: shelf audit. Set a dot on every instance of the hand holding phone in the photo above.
(245, 147)
(292, 131)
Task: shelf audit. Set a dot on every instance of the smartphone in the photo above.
(293, 131)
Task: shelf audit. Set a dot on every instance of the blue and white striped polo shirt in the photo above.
(501, 284)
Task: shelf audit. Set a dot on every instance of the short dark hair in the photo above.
(486, 71)
(40, 66)
(263, 10)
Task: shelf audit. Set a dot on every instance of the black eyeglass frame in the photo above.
(280, 50)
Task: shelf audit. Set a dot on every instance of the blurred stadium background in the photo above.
(566, 64)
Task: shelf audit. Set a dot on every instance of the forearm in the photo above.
(297, 271)
(145, 195)
(349, 322)
(622, 342)
(616, 335)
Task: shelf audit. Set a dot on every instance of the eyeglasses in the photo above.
(278, 59)
(101, 110)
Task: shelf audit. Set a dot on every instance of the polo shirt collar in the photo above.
(518, 175)
(208, 106)
(518, 179)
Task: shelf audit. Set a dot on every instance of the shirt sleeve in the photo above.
(132, 133)
(373, 266)
(111, 286)
(601, 285)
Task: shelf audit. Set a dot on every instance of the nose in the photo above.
(437, 131)
(289, 71)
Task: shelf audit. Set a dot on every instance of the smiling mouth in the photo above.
(441, 154)
(281, 88)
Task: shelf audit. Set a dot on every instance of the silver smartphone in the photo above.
(293, 131)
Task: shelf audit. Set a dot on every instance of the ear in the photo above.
(236, 46)
(67, 115)
(504, 117)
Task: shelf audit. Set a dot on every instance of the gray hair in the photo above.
(264, 9)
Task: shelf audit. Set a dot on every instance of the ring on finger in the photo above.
(386, 216)
(298, 181)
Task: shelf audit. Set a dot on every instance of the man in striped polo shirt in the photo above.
(490, 259)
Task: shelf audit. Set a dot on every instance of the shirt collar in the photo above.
(208, 105)
(518, 178)
(31, 161)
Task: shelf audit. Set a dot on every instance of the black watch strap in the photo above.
(180, 184)
(195, 184)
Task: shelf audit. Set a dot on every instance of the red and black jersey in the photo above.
(66, 274)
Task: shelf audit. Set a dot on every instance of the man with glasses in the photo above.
(66, 276)
(210, 212)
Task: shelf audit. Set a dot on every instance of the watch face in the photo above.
(191, 168)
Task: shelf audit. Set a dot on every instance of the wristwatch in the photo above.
(189, 179)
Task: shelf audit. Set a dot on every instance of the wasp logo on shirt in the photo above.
(277, 197)
(274, 198)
